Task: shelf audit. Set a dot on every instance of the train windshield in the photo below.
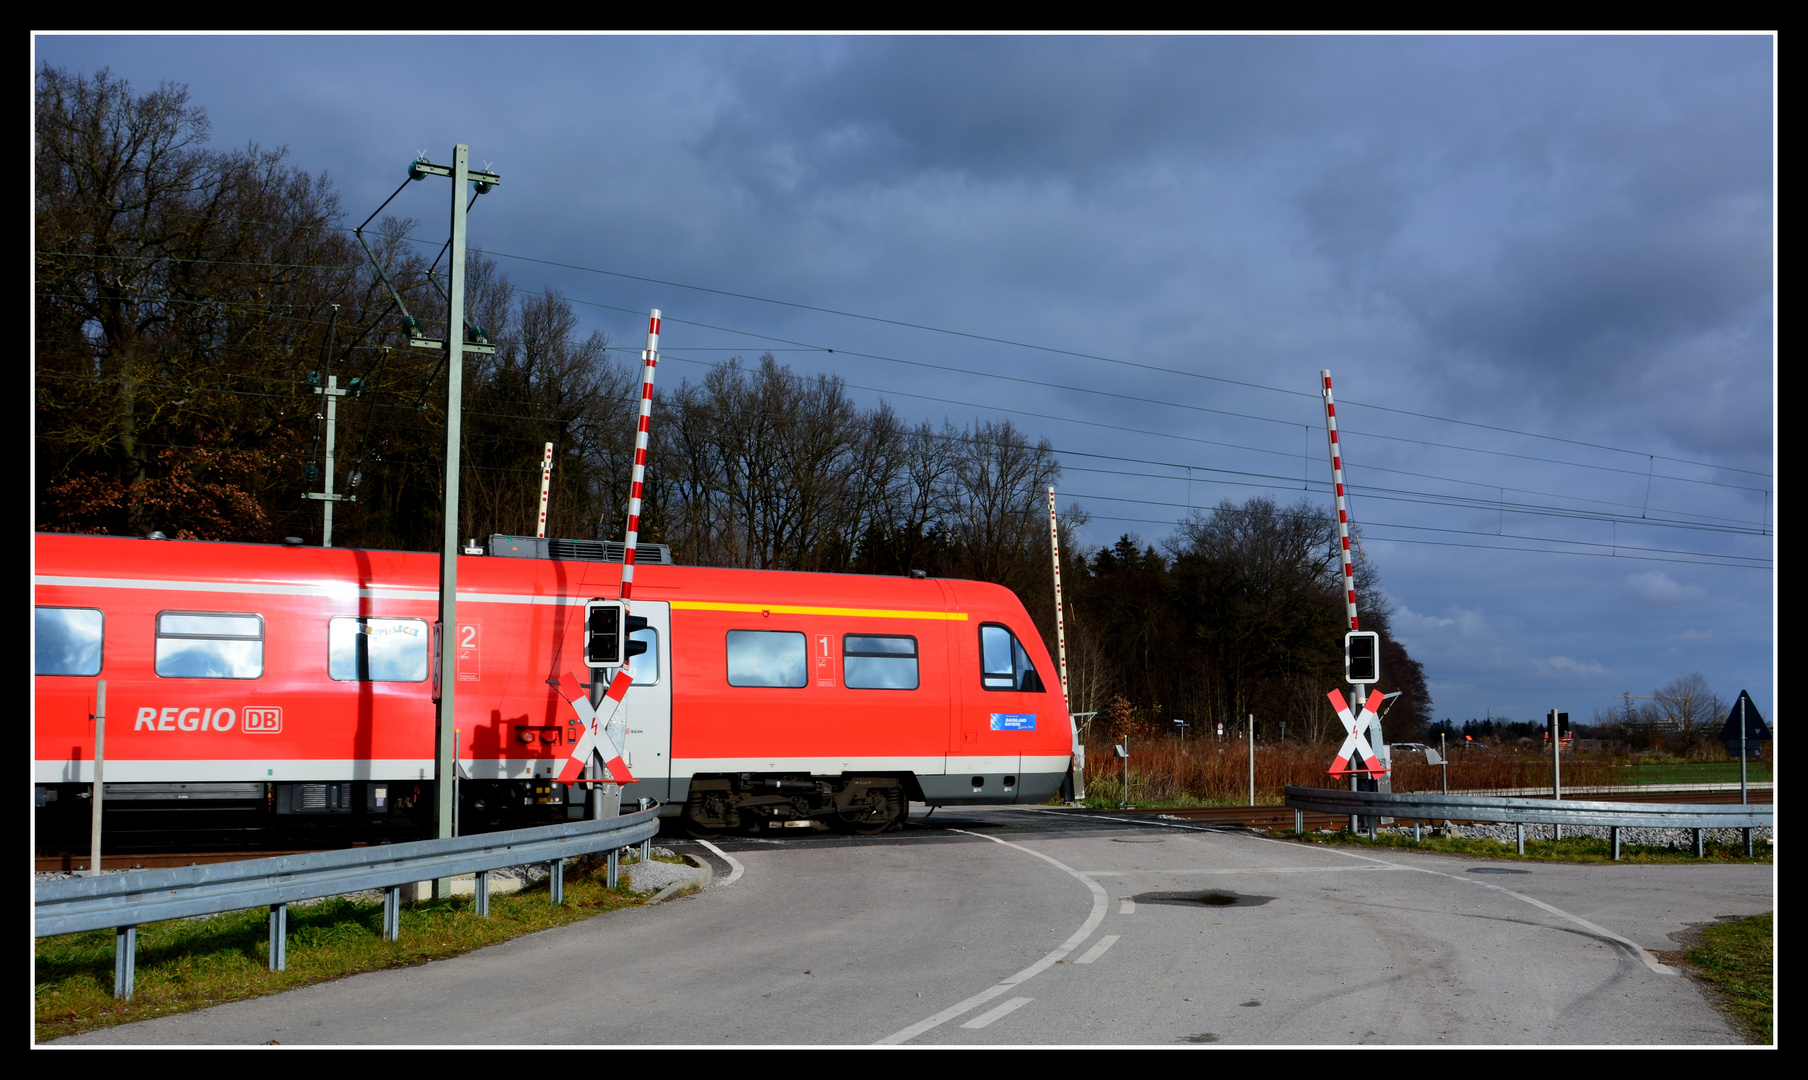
(1004, 665)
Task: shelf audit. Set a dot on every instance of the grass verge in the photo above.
(186, 964)
(1581, 849)
(1737, 957)
(1691, 772)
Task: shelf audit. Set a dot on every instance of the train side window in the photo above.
(361, 649)
(646, 666)
(879, 662)
(767, 658)
(68, 641)
(209, 645)
(1004, 665)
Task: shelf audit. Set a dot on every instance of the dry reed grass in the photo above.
(1210, 771)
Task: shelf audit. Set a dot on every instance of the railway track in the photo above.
(1281, 817)
(68, 862)
(145, 857)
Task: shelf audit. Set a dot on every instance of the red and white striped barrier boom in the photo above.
(606, 719)
(545, 488)
(1343, 510)
(1054, 546)
(649, 360)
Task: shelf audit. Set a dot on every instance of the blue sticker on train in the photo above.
(1011, 721)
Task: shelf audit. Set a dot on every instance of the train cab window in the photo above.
(767, 658)
(1004, 665)
(209, 645)
(646, 666)
(873, 662)
(68, 641)
(376, 650)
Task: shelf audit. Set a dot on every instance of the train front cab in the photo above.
(829, 712)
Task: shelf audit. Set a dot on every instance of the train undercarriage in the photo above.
(744, 802)
(202, 816)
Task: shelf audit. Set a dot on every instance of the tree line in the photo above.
(189, 301)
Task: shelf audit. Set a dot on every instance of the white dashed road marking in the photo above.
(1098, 950)
(987, 1017)
(1100, 901)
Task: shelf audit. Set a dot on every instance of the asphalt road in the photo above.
(1020, 926)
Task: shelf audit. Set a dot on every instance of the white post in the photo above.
(100, 757)
(1556, 768)
(545, 488)
(1126, 800)
(1251, 732)
(1078, 761)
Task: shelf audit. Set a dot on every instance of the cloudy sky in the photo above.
(1540, 270)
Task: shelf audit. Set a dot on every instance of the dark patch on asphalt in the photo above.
(1136, 839)
(1210, 898)
(1202, 1037)
(1250, 1005)
(1495, 870)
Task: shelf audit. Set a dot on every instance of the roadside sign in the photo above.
(1356, 743)
(601, 732)
(1756, 731)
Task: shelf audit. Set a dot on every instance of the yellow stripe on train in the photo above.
(787, 609)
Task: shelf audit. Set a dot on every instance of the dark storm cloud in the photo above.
(1552, 218)
(876, 110)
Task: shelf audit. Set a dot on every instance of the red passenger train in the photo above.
(303, 680)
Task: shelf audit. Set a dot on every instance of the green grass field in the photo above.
(1738, 957)
(1570, 849)
(186, 964)
(1692, 772)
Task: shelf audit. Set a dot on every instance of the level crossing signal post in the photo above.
(1360, 757)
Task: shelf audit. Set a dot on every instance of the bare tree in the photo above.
(172, 280)
(1687, 709)
(998, 516)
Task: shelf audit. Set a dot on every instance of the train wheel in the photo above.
(879, 811)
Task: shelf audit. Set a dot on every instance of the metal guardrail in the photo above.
(123, 901)
(1522, 812)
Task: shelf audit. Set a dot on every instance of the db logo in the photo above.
(262, 720)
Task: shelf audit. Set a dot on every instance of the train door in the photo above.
(649, 707)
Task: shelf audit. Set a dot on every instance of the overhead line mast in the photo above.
(456, 343)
